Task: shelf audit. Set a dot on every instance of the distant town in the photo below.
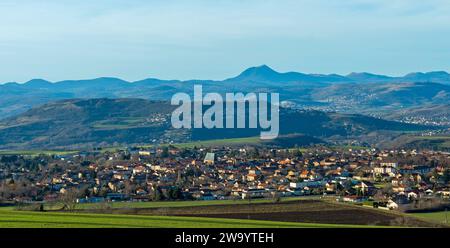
(391, 179)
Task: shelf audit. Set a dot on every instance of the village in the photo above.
(390, 179)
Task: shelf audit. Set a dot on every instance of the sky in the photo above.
(137, 39)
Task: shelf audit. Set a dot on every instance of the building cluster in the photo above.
(171, 173)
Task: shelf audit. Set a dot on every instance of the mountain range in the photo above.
(316, 108)
(353, 93)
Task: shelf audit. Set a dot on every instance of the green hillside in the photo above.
(79, 124)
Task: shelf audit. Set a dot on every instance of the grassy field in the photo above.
(289, 213)
(438, 217)
(441, 142)
(347, 147)
(307, 210)
(36, 152)
(171, 204)
(218, 142)
(25, 219)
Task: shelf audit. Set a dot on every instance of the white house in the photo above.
(392, 205)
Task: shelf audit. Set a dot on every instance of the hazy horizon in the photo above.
(220, 79)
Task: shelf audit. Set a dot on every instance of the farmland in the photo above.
(304, 211)
(311, 210)
(206, 143)
(27, 219)
(173, 204)
(441, 142)
(289, 213)
(215, 142)
(438, 217)
(36, 152)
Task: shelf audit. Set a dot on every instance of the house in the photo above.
(116, 196)
(389, 164)
(445, 194)
(307, 183)
(418, 169)
(209, 158)
(392, 205)
(401, 198)
(291, 175)
(429, 192)
(399, 188)
(139, 169)
(421, 170)
(121, 175)
(365, 187)
(141, 192)
(90, 200)
(353, 198)
(204, 195)
(304, 174)
(253, 193)
(144, 153)
(412, 195)
(252, 177)
(294, 185)
(330, 187)
(380, 170)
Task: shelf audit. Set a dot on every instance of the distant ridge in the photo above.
(333, 90)
(264, 73)
(38, 83)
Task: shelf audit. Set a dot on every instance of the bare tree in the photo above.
(69, 199)
(379, 197)
(276, 197)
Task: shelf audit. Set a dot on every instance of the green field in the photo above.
(36, 152)
(204, 143)
(219, 142)
(290, 213)
(170, 204)
(26, 219)
(442, 142)
(439, 217)
(347, 147)
(120, 123)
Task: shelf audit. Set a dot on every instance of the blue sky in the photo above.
(136, 39)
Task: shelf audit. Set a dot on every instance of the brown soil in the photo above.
(308, 211)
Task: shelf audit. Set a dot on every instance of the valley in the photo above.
(89, 123)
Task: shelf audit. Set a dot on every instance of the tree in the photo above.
(387, 189)
(316, 191)
(69, 199)
(276, 197)
(255, 153)
(340, 189)
(446, 176)
(297, 153)
(165, 152)
(379, 196)
(273, 153)
(129, 187)
(174, 193)
(157, 194)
